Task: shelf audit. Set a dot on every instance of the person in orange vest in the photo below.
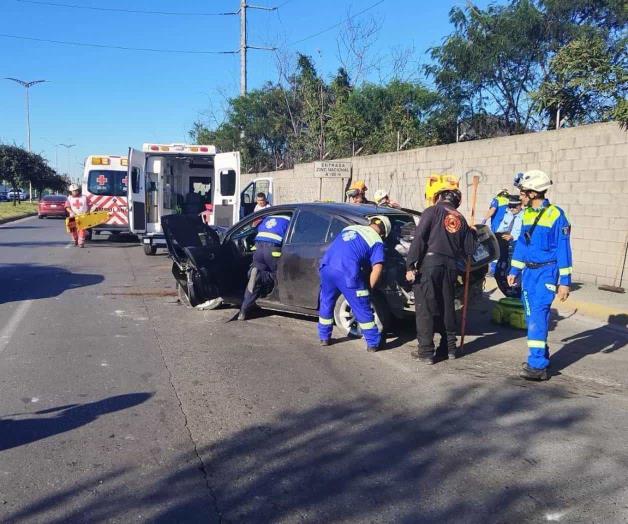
(76, 204)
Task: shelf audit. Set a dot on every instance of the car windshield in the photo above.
(102, 182)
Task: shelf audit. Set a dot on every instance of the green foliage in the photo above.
(19, 167)
(513, 65)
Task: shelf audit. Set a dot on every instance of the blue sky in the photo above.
(105, 100)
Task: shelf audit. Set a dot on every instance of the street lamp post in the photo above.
(68, 147)
(27, 85)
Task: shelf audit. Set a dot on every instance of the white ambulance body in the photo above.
(105, 185)
(186, 179)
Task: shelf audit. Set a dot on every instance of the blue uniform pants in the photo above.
(333, 284)
(539, 290)
(265, 261)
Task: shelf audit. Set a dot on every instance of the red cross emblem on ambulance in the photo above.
(124, 181)
(101, 180)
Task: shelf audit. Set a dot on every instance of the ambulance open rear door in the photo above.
(226, 189)
(137, 191)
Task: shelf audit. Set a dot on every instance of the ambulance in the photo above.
(105, 185)
(186, 179)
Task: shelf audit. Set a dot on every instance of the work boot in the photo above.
(529, 373)
(422, 357)
(241, 315)
(325, 343)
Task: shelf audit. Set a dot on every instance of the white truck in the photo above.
(187, 179)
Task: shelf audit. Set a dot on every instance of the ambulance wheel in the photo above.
(149, 249)
(345, 320)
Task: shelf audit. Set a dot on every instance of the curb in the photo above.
(13, 219)
(600, 312)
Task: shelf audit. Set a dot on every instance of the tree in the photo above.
(18, 167)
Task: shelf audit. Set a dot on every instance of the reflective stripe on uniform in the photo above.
(367, 233)
(270, 236)
(276, 254)
(517, 264)
(367, 325)
(325, 321)
(537, 344)
(564, 271)
(362, 293)
(550, 216)
(551, 287)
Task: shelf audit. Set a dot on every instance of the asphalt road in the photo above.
(117, 404)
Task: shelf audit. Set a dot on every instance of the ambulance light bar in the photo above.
(124, 161)
(100, 161)
(180, 148)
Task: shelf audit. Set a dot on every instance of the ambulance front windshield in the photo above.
(111, 183)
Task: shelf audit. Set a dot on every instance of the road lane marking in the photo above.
(11, 327)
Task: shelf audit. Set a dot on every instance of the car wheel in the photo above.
(345, 320)
(149, 249)
(40, 217)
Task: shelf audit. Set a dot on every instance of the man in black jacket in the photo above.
(442, 237)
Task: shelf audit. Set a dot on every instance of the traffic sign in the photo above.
(332, 169)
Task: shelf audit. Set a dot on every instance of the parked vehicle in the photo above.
(3, 196)
(209, 263)
(17, 195)
(105, 184)
(182, 179)
(51, 206)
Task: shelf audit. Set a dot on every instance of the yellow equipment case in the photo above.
(88, 220)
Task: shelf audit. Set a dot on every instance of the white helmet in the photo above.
(74, 187)
(380, 194)
(535, 180)
(382, 220)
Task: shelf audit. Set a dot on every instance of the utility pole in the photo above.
(243, 42)
(243, 7)
(27, 85)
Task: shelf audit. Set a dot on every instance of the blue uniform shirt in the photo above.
(500, 203)
(354, 249)
(273, 229)
(549, 242)
(511, 223)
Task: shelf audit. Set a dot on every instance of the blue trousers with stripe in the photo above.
(539, 290)
(333, 284)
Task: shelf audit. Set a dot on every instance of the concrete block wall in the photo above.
(588, 164)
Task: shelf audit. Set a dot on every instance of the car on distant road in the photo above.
(3, 196)
(17, 195)
(210, 264)
(51, 206)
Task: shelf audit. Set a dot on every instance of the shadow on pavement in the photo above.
(38, 243)
(21, 431)
(604, 339)
(33, 281)
(472, 457)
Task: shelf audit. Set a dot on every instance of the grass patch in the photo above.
(8, 210)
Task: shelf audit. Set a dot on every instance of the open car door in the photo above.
(249, 195)
(226, 189)
(137, 191)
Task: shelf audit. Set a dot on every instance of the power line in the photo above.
(336, 25)
(120, 10)
(122, 48)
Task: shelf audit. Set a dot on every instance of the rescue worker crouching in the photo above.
(76, 204)
(441, 238)
(353, 251)
(542, 257)
(268, 241)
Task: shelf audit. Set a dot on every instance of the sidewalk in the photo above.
(586, 299)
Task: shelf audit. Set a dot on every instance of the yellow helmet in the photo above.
(359, 185)
(437, 184)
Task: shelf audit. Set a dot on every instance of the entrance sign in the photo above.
(332, 169)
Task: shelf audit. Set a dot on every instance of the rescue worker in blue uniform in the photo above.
(268, 241)
(543, 255)
(354, 251)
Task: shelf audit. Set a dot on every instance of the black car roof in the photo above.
(348, 210)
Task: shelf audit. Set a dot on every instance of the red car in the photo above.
(51, 206)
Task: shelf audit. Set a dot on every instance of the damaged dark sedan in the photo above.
(210, 265)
